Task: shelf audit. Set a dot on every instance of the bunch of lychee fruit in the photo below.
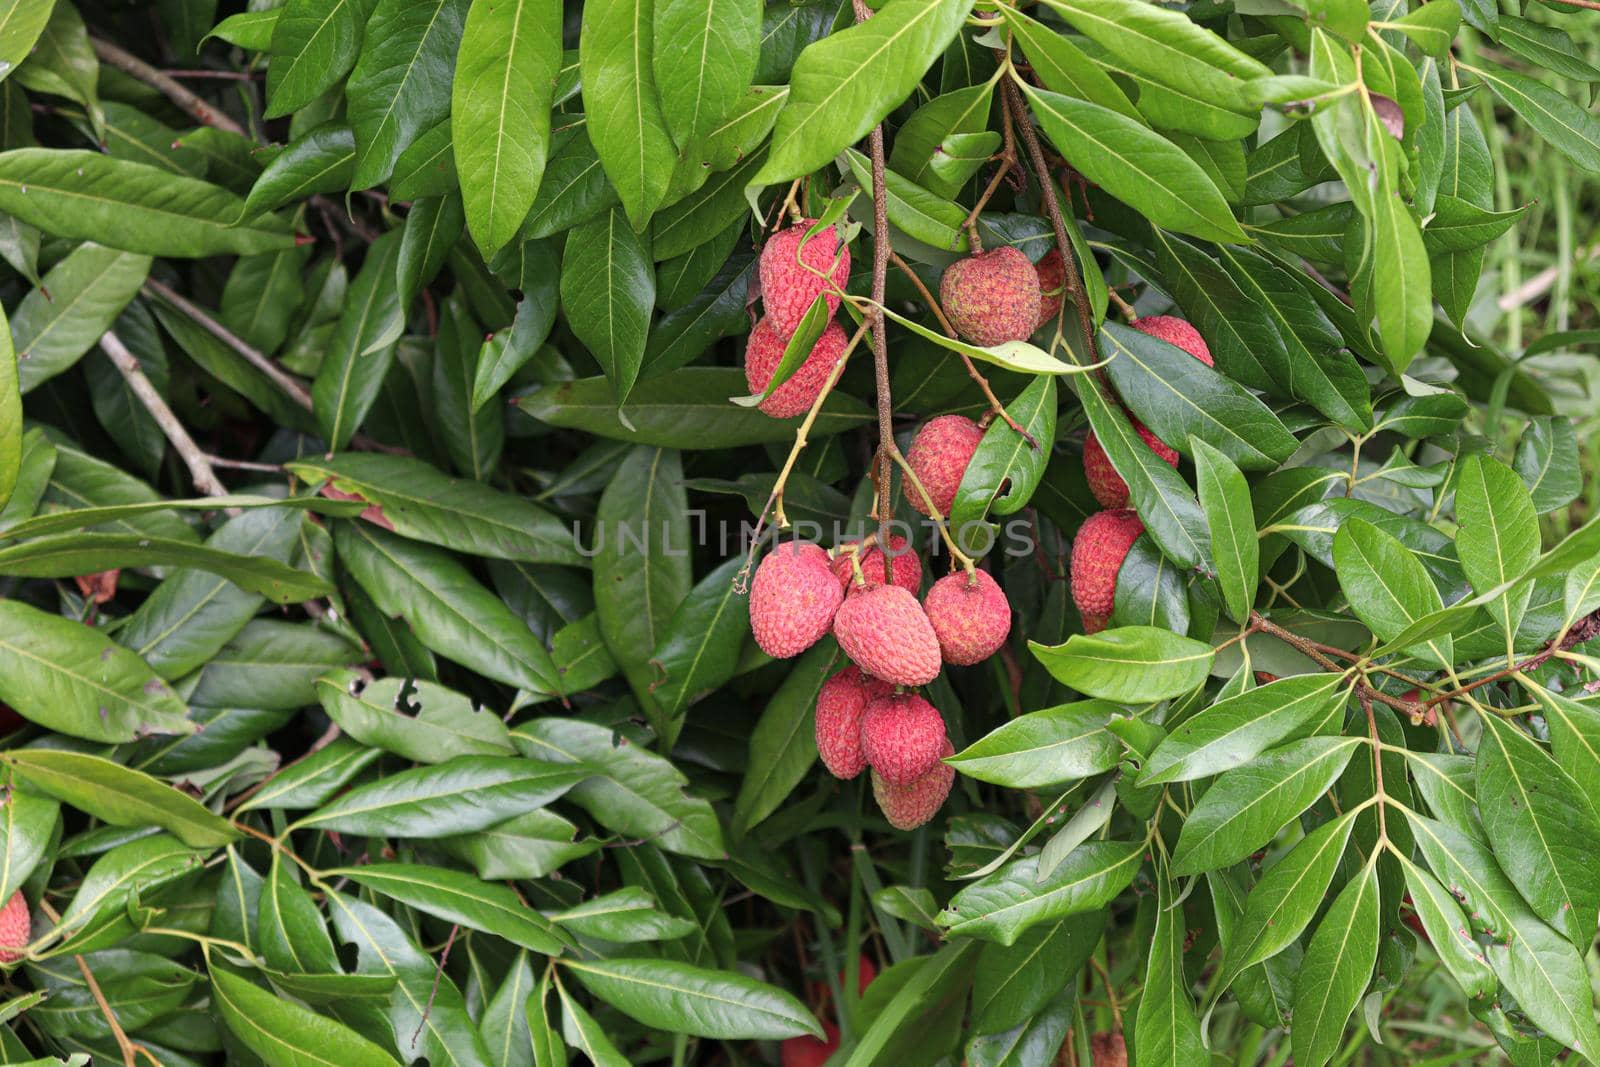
(794, 270)
(867, 714)
(1105, 537)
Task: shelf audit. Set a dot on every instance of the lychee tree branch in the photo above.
(881, 251)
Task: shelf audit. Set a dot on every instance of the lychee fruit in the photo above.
(970, 615)
(788, 288)
(903, 564)
(16, 928)
(794, 397)
(992, 297)
(903, 737)
(1052, 278)
(939, 455)
(807, 1051)
(1176, 331)
(1109, 1049)
(793, 599)
(909, 806)
(1104, 481)
(840, 704)
(1097, 554)
(866, 971)
(886, 633)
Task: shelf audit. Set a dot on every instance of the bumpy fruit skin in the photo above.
(1109, 1049)
(970, 615)
(904, 565)
(793, 599)
(787, 288)
(939, 456)
(794, 397)
(841, 702)
(807, 1051)
(909, 806)
(1097, 554)
(903, 737)
(1052, 276)
(992, 297)
(16, 928)
(886, 633)
(1104, 481)
(1176, 331)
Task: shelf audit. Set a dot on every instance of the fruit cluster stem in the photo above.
(881, 250)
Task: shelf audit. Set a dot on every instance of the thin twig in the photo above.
(132, 65)
(130, 1050)
(127, 364)
(290, 386)
(1418, 712)
(880, 342)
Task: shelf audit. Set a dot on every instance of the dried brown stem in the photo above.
(194, 457)
(295, 391)
(130, 1051)
(133, 66)
(880, 343)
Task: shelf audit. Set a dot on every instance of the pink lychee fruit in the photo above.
(1102, 544)
(939, 455)
(841, 702)
(1176, 331)
(793, 599)
(1104, 481)
(992, 297)
(909, 806)
(1052, 277)
(902, 736)
(807, 1051)
(16, 928)
(788, 288)
(794, 397)
(886, 633)
(970, 615)
(903, 564)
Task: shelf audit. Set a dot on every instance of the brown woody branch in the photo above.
(135, 67)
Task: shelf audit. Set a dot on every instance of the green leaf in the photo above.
(361, 349)
(579, 1030)
(312, 780)
(527, 846)
(1015, 981)
(120, 795)
(700, 647)
(74, 304)
(445, 606)
(1542, 826)
(11, 447)
(704, 58)
(1499, 536)
(250, 30)
(1136, 165)
(131, 206)
(314, 44)
(1044, 747)
(441, 723)
(549, 1047)
(1337, 967)
(21, 23)
(500, 112)
(678, 998)
(1246, 807)
(1225, 498)
(283, 1033)
(1232, 732)
(88, 553)
(1459, 225)
(1574, 131)
(458, 796)
(625, 120)
(460, 898)
(608, 287)
(1547, 462)
(629, 790)
(1448, 932)
(1002, 905)
(1289, 895)
(98, 914)
(70, 678)
(293, 936)
(844, 84)
(1063, 68)
(320, 161)
(783, 744)
(1131, 664)
(1574, 738)
(1433, 26)
(1005, 470)
(27, 835)
(1166, 1029)
(416, 501)
(1387, 587)
(399, 86)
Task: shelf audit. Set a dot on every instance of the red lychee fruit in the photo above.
(903, 564)
(970, 615)
(1108, 1049)
(1104, 481)
(909, 806)
(866, 971)
(886, 633)
(939, 456)
(16, 928)
(1176, 331)
(793, 599)
(992, 297)
(840, 704)
(1052, 276)
(794, 397)
(1097, 554)
(903, 737)
(807, 1051)
(788, 288)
